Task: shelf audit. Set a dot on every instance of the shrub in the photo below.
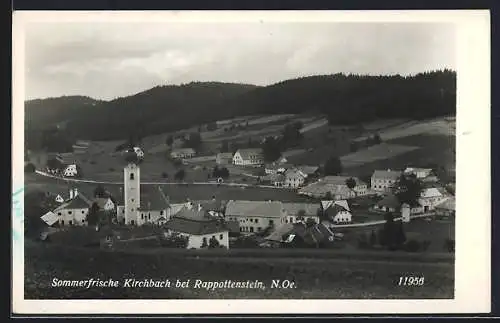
(164, 175)
(29, 168)
(213, 243)
(412, 246)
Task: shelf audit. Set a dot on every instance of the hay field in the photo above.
(374, 153)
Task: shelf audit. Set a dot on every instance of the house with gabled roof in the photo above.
(383, 180)
(336, 187)
(182, 153)
(336, 211)
(74, 211)
(294, 178)
(302, 212)
(249, 157)
(198, 227)
(255, 216)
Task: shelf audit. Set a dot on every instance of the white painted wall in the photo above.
(132, 194)
(72, 216)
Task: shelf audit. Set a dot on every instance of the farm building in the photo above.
(255, 216)
(384, 180)
(248, 157)
(224, 158)
(310, 171)
(182, 153)
(306, 235)
(307, 211)
(74, 211)
(446, 207)
(336, 187)
(420, 173)
(105, 204)
(198, 227)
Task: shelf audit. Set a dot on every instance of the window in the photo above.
(70, 222)
(83, 220)
(251, 229)
(221, 237)
(131, 176)
(259, 229)
(83, 211)
(271, 222)
(142, 216)
(132, 222)
(256, 220)
(149, 216)
(161, 212)
(241, 229)
(131, 200)
(123, 210)
(59, 213)
(62, 222)
(213, 237)
(132, 210)
(69, 212)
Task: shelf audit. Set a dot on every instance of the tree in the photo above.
(170, 140)
(310, 222)
(180, 175)
(351, 183)
(328, 195)
(164, 175)
(224, 148)
(353, 146)
(131, 157)
(54, 164)
(376, 139)
(271, 149)
(99, 191)
(301, 215)
(373, 238)
(204, 244)
(213, 243)
(212, 126)
(408, 189)
(93, 215)
(193, 141)
(29, 168)
(79, 171)
(333, 166)
(291, 134)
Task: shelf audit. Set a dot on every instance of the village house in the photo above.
(248, 157)
(70, 171)
(420, 173)
(277, 180)
(310, 171)
(59, 199)
(383, 180)
(300, 235)
(294, 178)
(255, 216)
(302, 212)
(139, 152)
(430, 197)
(105, 204)
(446, 207)
(335, 187)
(276, 168)
(198, 228)
(182, 153)
(74, 211)
(224, 158)
(337, 212)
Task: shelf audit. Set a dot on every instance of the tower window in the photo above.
(131, 175)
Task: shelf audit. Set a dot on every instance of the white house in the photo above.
(308, 211)
(430, 197)
(277, 168)
(198, 228)
(277, 180)
(255, 216)
(59, 199)
(70, 171)
(139, 152)
(182, 153)
(418, 172)
(74, 211)
(384, 180)
(294, 178)
(105, 204)
(337, 212)
(248, 157)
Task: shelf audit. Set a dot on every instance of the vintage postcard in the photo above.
(307, 162)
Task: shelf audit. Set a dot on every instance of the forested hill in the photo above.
(354, 98)
(344, 98)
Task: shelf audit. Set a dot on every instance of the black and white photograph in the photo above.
(251, 156)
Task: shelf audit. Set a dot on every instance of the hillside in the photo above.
(345, 99)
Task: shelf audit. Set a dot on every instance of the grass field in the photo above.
(315, 278)
(374, 153)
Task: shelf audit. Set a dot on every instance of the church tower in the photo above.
(132, 192)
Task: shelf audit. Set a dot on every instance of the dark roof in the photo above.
(195, 226)
(312, 234)
(78, 202)
(333, 210)
(153, 198)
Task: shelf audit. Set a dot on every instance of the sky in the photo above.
(116, 59)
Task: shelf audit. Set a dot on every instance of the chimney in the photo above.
(75, 192)
(71, 193)
(199, 207)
